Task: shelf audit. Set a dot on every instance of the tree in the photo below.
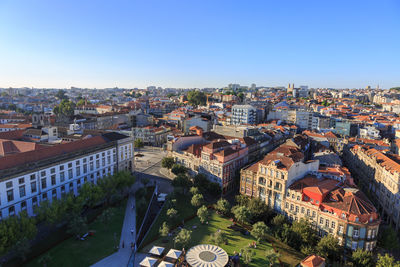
(260, 231)
(247, 255)
(259, 210)
(272, 257)
(200, 181)
(181, 181)
(197, 98)
(164, 230)
(241, 213)
(241, 96)
(203, 214)
(362, 258)
(183, 238)
(138, 143)
(223, 206)
(171, 214)
(278, 220)
(77, 226)
(197, 200)
(304, 232)
(178, 169)
(387, 261)
(214, 189)
(388, 239)
(106, 216)
(194, 190)
(81, 102)
(65, 108)
(328, 247)
(167, 162)
(219, 238)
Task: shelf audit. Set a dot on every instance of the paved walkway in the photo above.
(121, 257)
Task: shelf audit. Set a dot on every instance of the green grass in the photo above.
(236, 241)
(72, 252)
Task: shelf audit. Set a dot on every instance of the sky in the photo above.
(199, 43)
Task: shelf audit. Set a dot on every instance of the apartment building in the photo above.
(300, 189)
(333, 207)
(155, 136)
(268, 178)
(244, 114)
(46, 173)
(379, 174)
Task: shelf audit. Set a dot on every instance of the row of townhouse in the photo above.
(379, 174)
(48, 173)
(298, 190)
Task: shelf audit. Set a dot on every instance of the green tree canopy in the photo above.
(260, 231)
(388, 239)
(362, 258)
(182, 182)
(167, 162)
(219, 238)
(178, 169)
(77, 226)
(164, 229)
(306, 235)
(183, 238)
(387, 261)
(223, 206)
(241, 213)
(197, 98)
(194, 190)
(203, 214)
(328, 247)
(197, 200)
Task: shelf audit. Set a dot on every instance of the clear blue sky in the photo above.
(199, 43)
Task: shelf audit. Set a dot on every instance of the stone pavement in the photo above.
(121, 257)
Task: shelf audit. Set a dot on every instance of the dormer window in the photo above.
(312, 200)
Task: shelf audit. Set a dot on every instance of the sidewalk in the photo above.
(121, 257)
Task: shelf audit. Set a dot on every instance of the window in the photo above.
(53, 180)
(53, 170)
(91, 166)
(84, 160)
(70, 174)
(11, 210)
(291, 206)
(54, 193)
(286, 205)
(302, 209)
(44, 184)
(313, 213)
(44, 196)
(61, 167)
(43, 173)
(85, 168)
(9, 184)
(354, 245)
(21, 180)
(34, 201)
(308, 212)
(10, 195)
(297, 208)
(97, 164)
(356, 233)
(23, 205)
(333, 225)
(33, 177)
(33, 187)
(327, 223)
(97, 156)
(78, 171)
(108, 159)
(77, 162)
(22, 191)
(340, 229)
(62, 177)
(69, 165)
(321, 220)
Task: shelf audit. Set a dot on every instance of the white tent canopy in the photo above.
(148, 262)
(207, 256)
(155, 250)
(174, 254)
(166, 264)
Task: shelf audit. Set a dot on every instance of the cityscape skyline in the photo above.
(195, 45)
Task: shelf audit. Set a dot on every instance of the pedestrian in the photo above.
(132, 231)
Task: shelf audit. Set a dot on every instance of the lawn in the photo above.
(72, 252)
(236, 240)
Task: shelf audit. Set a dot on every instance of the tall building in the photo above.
(244, 114)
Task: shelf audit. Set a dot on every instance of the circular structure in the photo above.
(207, 256)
